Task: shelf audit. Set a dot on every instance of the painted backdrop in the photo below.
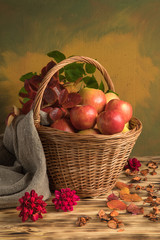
(123, 35)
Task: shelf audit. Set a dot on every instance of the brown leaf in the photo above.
(121, 185)
(114, 213)
(148, 200)
(112, 224)
(120, 230)
(152, 217)
(103, 216)
(153, 172)
(152, 165)
(158, 201)
(156, 210)
(138, 187)
(116, 204)
(134, 209)
(120, 224)
(81, 221)
(136, 179)
(144, 179)
(150, 188)
(101, 213)
(144, 172)
(130, 197)
(115, 219)
(128, 172)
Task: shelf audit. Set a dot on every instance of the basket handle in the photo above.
(56, 68)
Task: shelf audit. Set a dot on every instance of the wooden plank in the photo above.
(60, 225)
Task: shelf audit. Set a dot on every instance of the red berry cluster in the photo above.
(65, 199)
(32, 206)
(133, 164)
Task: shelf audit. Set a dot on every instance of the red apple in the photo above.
(110, 122)
(63, 124)
(124, 107)
(93, 97)
(83, 117)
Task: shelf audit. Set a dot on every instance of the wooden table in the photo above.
(60, 225)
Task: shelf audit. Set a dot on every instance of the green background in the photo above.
(123, 35)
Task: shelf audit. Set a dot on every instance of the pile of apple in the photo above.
(98, 113)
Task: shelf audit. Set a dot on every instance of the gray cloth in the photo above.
(22, 162)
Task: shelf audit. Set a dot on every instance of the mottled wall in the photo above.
(123, 35)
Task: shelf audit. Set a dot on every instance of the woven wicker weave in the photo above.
(89, 164)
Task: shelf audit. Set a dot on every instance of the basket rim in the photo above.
(137, 129)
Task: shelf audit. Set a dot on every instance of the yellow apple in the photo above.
(111, 95)
(126, 128)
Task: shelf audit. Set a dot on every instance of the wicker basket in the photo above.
(89, 164)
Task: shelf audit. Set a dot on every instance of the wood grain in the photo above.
(60, 225)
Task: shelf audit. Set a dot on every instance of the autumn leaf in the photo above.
(134, 209)
(112, 196)
(144, 172)
(112, 224)
(116, 204)
(121, 185)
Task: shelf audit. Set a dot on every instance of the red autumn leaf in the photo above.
(65, 112)
(53, 82)
(47, 109)
(31, 92)
(27, 106)
(47, 68)
(72, 100)
(34, 82)
(116, 204)
(112, 196)
(23, 94)
(63, 96)
(55, 114)
(134, 209)
(50, 96)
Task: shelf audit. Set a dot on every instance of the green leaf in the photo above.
(25, 100)
(112, 92)
(101, 86)
(74, 71)
(58, 56)
(90, 68)
(23, 90)
(27, 76)
(61, 77)
(75, 66)
(61, 70)
(90, 82)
